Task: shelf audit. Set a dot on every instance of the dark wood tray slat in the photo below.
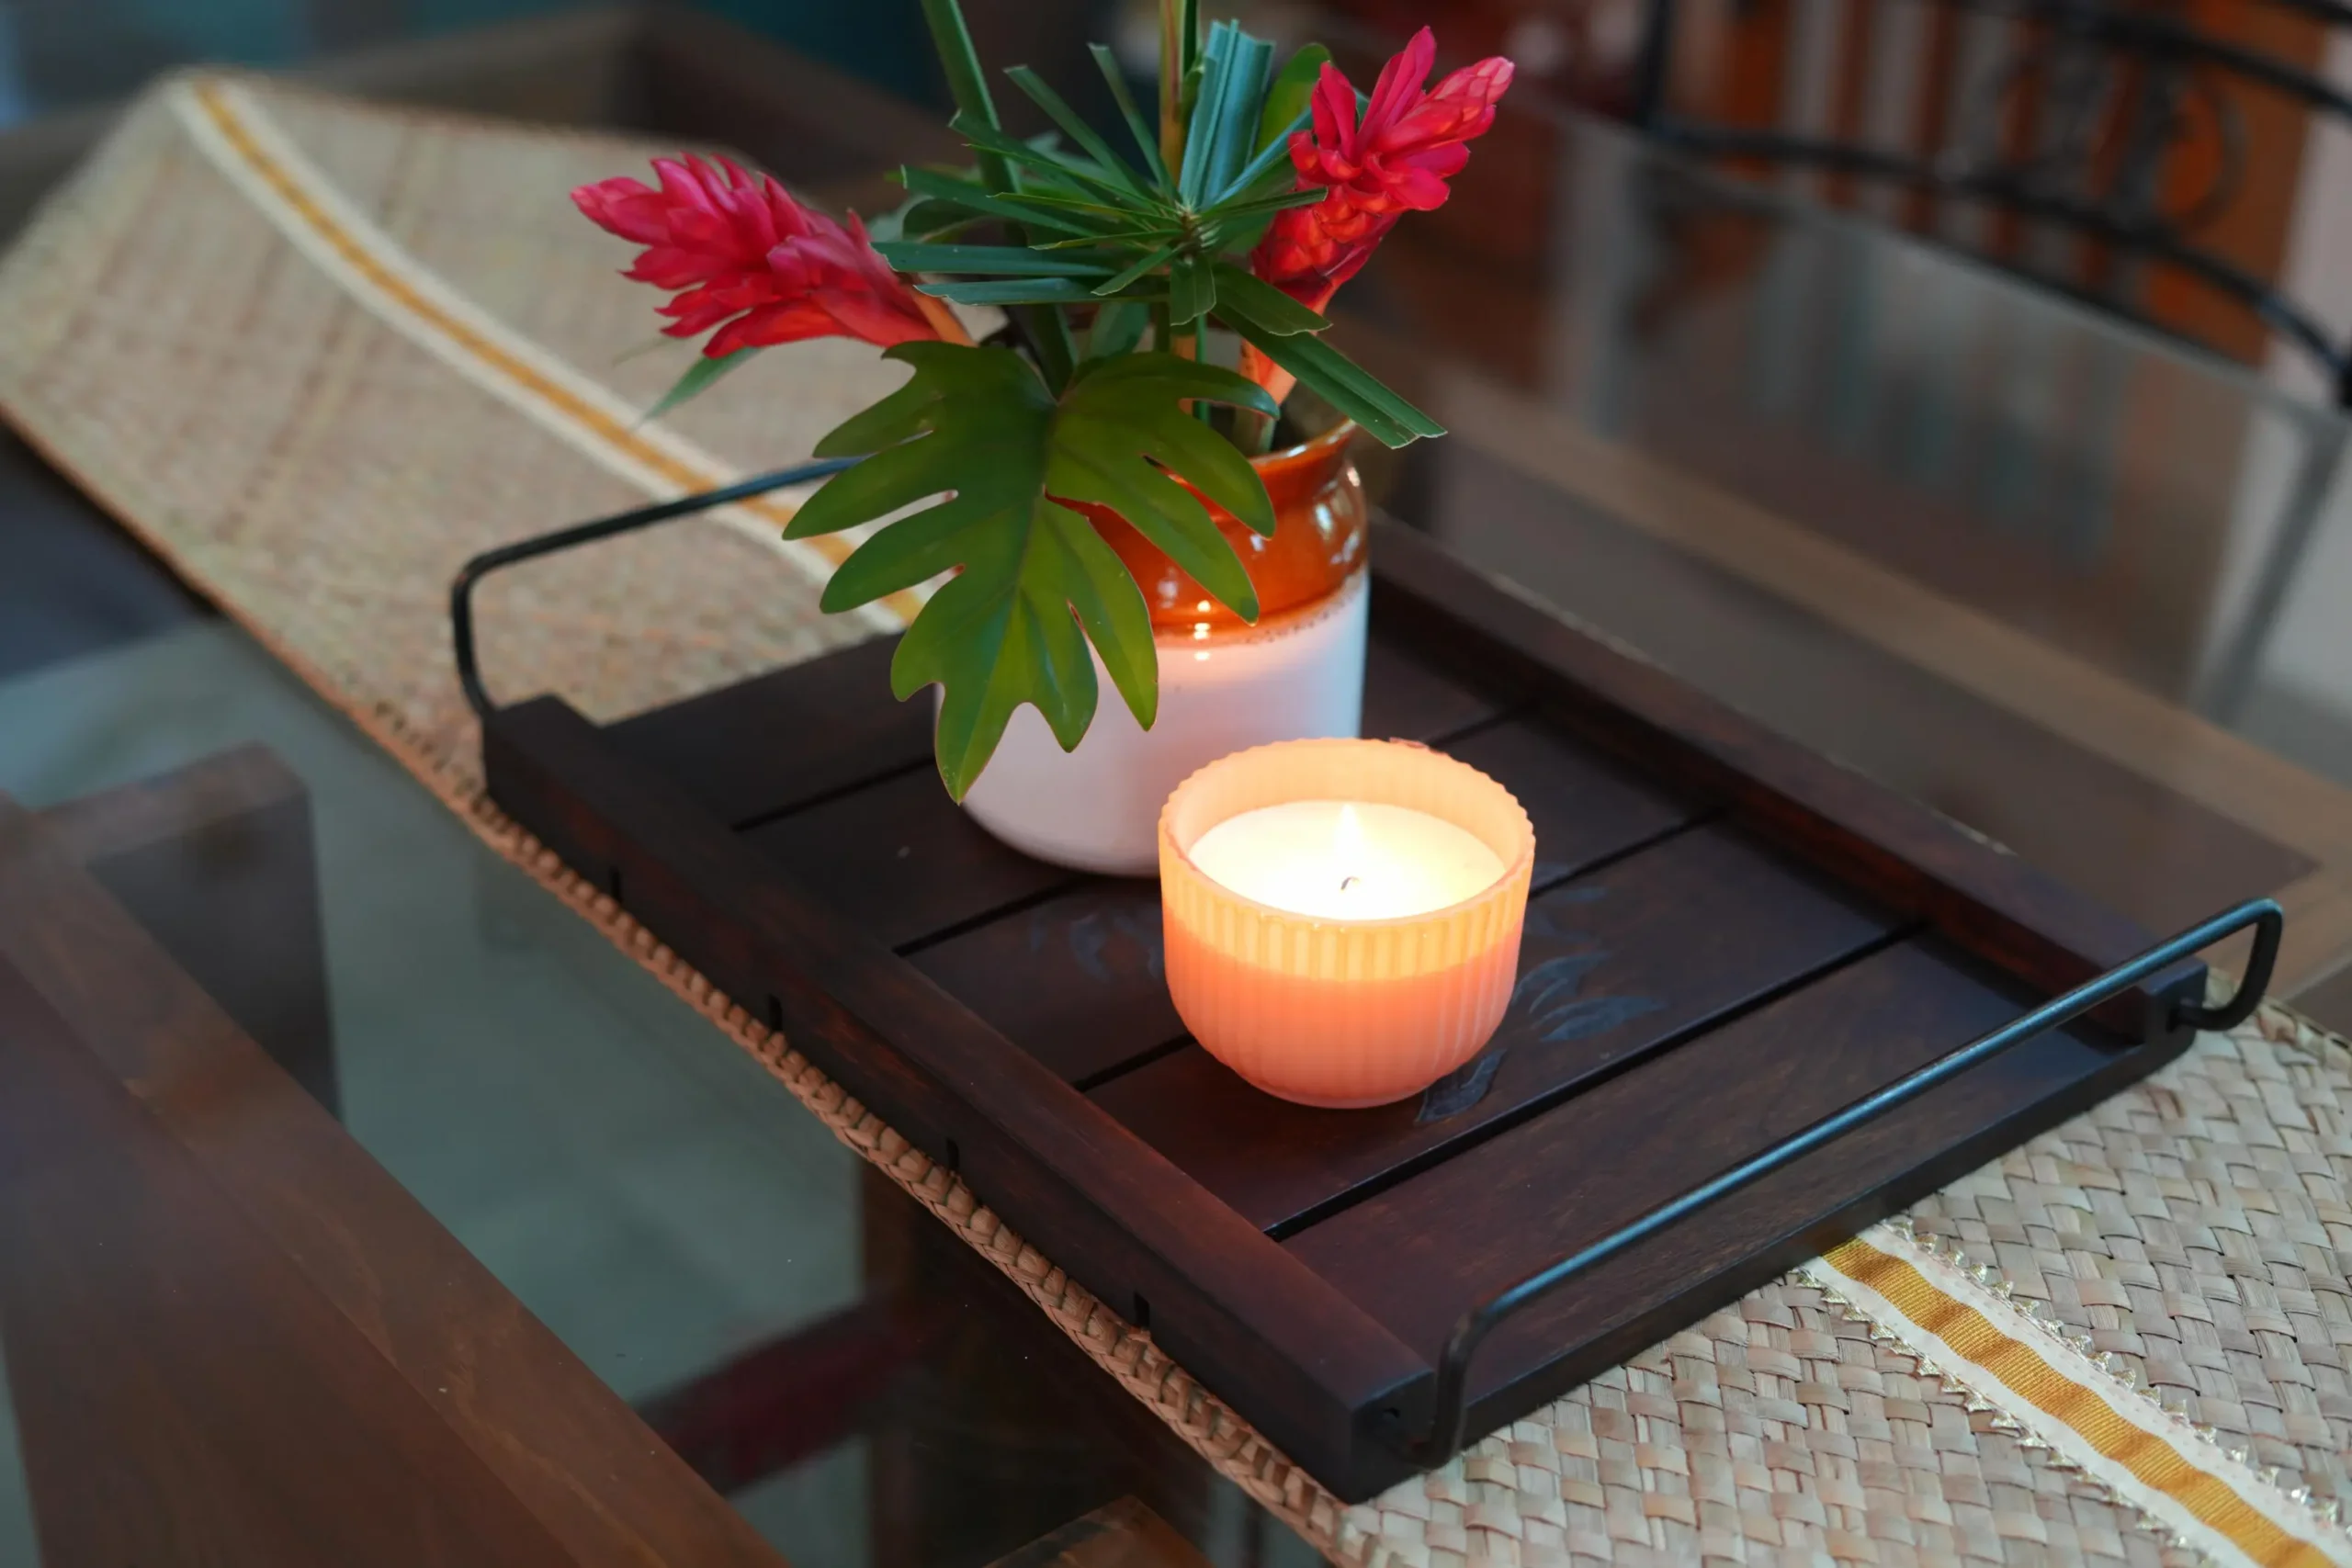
(1076, 981)
(765, 746)
(1422, 1252)
(902, 860)
(1613, 965)
(1993, 903)
(1585, 808)
(1407, 697)
(897, 855)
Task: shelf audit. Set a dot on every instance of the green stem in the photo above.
(1253, 432)
(1041, 325)
(1173, 53)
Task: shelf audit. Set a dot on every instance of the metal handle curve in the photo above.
(2269, 923)
(461, 591)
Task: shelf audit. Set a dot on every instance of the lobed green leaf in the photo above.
(976, 433)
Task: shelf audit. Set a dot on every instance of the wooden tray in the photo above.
(1730, 940)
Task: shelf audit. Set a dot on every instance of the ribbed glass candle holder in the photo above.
(1334, 1012)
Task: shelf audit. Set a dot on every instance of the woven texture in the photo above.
(321, 472)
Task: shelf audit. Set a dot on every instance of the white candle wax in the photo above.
(1347, 860)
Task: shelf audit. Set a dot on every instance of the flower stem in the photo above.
(1174, 53)
(1253, 433)
(942, 319)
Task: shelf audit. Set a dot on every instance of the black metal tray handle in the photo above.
(461, 592)
(1453, 1395)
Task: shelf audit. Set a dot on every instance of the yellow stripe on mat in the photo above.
(2146, 1456)
(237, 135)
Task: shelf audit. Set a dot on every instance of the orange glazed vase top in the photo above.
(1319, 541)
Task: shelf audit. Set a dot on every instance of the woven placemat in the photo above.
(317, 353)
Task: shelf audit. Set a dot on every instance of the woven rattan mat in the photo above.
(316, 354)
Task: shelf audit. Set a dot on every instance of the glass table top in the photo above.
(2075, 586)
(649, 1192)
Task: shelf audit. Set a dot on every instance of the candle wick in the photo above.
(1347, 882)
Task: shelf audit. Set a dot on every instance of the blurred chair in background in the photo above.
(2141, 154)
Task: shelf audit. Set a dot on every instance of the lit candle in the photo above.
(1345, 862)
(1342, 917)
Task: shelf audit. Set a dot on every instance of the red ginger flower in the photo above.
(742, 252)
(1396, 161)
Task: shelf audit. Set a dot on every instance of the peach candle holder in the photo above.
(1336, 1012)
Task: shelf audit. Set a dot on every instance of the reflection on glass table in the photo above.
(851, 1376)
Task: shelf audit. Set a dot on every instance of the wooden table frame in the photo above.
(232, 1336)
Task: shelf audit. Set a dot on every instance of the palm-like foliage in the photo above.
(1098, 228)
(1115, 268)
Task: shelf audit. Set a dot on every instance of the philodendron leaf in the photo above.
(975, 431)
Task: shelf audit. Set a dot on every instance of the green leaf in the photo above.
(978, 426)
(1094, 212)
(1221, 134)
(1117, 192)
(1289, 100)
(1046, 98)
(697, 380)
(1019, 291)
(1241, 296)
(1143, 264)
(967, 84)
(1271, 163)
(1192, 289)
(1199, 122)
(1118, 327)
(1009, 261)
(1045, 331)
(1245, 94)
(1131, 237)
(927, 219)
(982, 204)
(1253, 207)
(1345, 385)
(1137, 127)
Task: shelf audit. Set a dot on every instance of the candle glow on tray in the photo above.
(1342, 917)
